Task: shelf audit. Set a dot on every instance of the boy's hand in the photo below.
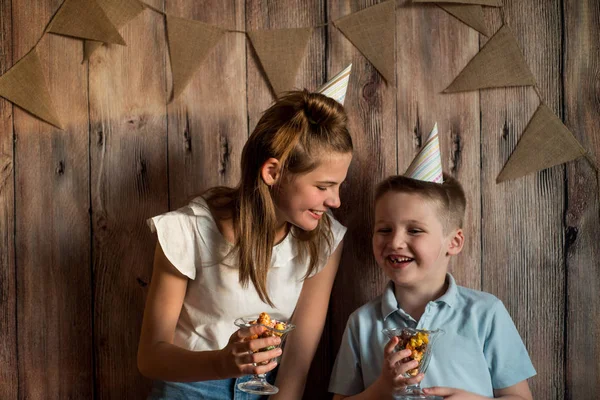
(393, 368)
(452, 393)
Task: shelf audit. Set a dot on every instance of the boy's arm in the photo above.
(519, 391)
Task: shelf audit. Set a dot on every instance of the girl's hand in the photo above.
(452, 394)
(393, 368)
(242, 355)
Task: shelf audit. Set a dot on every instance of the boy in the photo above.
(418, 227)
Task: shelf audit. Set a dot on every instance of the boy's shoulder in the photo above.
(476, 301)
(374, 309)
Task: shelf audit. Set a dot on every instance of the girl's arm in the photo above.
(309, 318)
(159, 358)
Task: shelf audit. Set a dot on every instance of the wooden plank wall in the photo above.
(75, 252)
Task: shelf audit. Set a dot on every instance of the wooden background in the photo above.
(75, 252)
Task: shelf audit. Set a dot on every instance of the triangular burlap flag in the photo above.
(280, 52)
(337, 86)
(119, 12)
(471, 15)
(427, 164)
(373, 31)
(84, 19)
(24, 85)
(491, 3)
(500, 63)
(545, 143)
(189, 42)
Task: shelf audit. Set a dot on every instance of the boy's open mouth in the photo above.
(400, 261)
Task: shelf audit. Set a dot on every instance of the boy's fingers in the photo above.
(440, 391)
(394, 358)
(389, 347)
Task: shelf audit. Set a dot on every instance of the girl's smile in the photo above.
(302, 199)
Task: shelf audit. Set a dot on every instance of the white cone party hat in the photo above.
(336, 87)
(427, 165)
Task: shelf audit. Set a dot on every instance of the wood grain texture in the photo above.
(522, 236)
(432, 49)
(281, 14)
(8, 301)
(128, 147)
(54, 317)
(208, 122)
(371, 107)
(582, 218)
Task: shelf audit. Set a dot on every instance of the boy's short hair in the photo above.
(449, 196)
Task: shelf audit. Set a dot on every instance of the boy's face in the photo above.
(409, 241)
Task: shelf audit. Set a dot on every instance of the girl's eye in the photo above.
(321, 188)
(414, 231)
(384, 230)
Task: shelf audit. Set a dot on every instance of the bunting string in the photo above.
(499, 63)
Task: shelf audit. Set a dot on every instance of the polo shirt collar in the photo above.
(451, 293)
(389, 304)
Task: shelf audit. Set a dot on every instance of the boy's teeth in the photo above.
(400, 259)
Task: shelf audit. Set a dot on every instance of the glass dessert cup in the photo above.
(421, 342)
(258, 384)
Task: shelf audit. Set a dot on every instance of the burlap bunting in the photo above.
(471, 15)
(24, 85)
(189, 42)
(500, 63)
(491, 3)
(84, 19)
(119, 12)
(545, 143)
(280, 52)
(373, 32)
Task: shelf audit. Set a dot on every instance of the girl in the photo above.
(268, 244)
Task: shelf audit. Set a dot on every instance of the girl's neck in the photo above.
(414, 299)
(281, 231)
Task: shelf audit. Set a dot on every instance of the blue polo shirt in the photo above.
(480, 351)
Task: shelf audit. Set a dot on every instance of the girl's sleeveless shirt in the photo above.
(192, 242)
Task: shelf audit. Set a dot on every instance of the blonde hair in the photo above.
(295, 130)
(449, 196)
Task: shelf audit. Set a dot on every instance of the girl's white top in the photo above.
(214, 298)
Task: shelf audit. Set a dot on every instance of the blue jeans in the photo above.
(224, 389)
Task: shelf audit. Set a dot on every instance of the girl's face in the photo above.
(302, 199)
(409, 241)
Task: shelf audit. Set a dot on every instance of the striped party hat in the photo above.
(336, 87)
(427, 165)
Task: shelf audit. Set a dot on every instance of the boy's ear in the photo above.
(270, 171)
(456, 242)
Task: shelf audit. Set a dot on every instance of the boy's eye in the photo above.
(321, 188)
(414, 231)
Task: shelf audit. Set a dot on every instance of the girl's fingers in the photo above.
(244, 333)
(250, 369)
(257, 357)
(257, 344)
